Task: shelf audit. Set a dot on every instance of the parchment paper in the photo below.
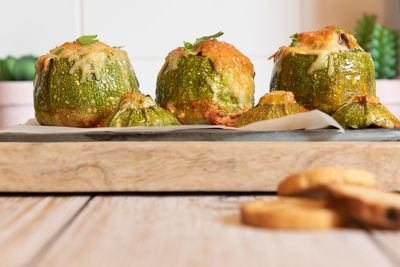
(308, 120)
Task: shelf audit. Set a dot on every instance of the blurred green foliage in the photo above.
(17, 69)
(383, 44)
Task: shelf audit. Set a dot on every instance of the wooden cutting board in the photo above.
(245, 164)
(367, 135)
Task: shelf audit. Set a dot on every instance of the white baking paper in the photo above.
(314, 119)
(308, 120)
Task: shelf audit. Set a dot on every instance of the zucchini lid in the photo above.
(365, 111)
(136, 109)
(272, 105)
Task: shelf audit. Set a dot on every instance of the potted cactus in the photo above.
(383, 44)
(16, 89)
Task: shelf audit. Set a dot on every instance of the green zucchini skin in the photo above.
(355, 115)
(62, 99)
(187, 81)
(326, 89)
(194, 88)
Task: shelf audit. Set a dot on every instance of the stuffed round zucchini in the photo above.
(136, 109)
(323, 69)
(273, 105)
(208, 82)
(365, 111)
(79, 84)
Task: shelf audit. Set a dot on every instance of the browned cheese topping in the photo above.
(277, 97)
(331, 39)
(136, 100)
(236, 69)
(88, 58)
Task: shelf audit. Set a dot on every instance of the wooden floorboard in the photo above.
(28, 224)
(197, 231)
(389, 242)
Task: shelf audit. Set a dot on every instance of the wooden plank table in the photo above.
(170, 230)
(146, 227)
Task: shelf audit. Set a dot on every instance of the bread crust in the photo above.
(291, 213)
(366, 205)
(303, 183)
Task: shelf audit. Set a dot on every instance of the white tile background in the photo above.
(149, 29)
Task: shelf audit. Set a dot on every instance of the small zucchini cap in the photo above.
(365, 111)
(273, 105)
(136, 109)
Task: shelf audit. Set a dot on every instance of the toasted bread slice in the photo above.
(367, 205)
(290, 213)
(312, 182)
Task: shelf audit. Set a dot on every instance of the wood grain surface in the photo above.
(389, 242)
(171, 231)
(183, 166)
(29, 224)
(198, 231)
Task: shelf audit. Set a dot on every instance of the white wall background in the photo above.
(149, 29)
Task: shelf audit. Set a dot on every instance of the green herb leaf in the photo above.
(58, 52)
(295, 39)
(337, 30)
(87, 39)
(357, 50)
(190, 46)
(210, 37)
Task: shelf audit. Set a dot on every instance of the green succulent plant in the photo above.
(383, 44)
(17, 69)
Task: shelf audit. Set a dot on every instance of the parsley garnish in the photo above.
(87, 39)
(58, 52)
(337, 30)
(357, 50)
(190, 46)
(295, 39)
